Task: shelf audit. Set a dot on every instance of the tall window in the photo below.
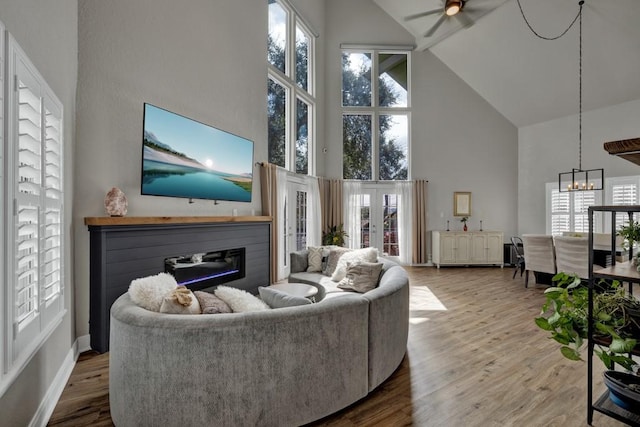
(290, 89)
(375, 114)
(32, 208)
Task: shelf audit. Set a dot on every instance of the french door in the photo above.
(378, 221)
(294, 236)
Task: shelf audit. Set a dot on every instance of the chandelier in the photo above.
(577, 179)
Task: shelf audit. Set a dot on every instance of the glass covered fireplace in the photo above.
(205, 269)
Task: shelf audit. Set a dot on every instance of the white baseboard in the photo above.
(50, 400)
(83, 343)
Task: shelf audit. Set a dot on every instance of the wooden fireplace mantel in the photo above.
(144, 220)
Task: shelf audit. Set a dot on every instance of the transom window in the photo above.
(375, 114)
(290, 89)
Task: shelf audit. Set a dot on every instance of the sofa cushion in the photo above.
(361, 276)
(211, 304)
(333, 258)
(279, 299)
(314, 259)
(299, 261)
(148, 292)
(180, 301)
(239, 300)
(363, 255)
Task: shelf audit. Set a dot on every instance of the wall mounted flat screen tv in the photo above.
(182, 157)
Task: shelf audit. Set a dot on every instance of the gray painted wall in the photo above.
(47, 32)
(545, 149)
(459, 142)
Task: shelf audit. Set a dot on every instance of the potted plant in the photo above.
(335, 235)
(464, 220)
(565, 315)
(630, 233)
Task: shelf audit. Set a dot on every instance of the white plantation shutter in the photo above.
(35, 153)
(27, 203)
(51, 242)
(624, 192)
(581, 202)
(560, 212)
(568, 211)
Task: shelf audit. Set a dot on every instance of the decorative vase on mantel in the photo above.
(115, 202)
(465, 227)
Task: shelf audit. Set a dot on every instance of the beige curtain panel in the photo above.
(331, 202)
(268, 189)
(420, 222)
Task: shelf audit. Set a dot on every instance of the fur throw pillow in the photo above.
(148, 292)
(180, 301)
(239, 300)
(362, 255)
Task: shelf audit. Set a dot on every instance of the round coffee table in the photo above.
(297, 289)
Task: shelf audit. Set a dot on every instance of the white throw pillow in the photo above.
(363, 255)
(239, 300)
(148, 292)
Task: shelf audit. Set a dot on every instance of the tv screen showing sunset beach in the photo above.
(182, 157)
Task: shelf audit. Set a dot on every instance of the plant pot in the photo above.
(624, 389)
(465, 227)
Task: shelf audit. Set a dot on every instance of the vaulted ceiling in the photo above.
(527, 79)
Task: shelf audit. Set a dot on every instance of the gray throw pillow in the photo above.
(278, 299)
(361, 276)
(332, 260)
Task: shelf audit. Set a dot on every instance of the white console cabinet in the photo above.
(467, 248)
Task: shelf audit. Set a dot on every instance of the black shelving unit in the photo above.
(624, 272)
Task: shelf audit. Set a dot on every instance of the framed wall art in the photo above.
(462, 203)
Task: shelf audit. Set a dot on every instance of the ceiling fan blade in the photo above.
(464, 19)
(421, 14)
(435, 26)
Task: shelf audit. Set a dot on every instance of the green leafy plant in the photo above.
(464, 219)
(565, 314)
(630, 233)
(335, 235)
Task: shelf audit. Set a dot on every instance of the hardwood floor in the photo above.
(474, 358)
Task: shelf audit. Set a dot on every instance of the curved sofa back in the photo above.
(288, 366)
(388, 324)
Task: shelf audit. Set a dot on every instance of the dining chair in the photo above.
(572, 255)
(518, 250)
(539, 255)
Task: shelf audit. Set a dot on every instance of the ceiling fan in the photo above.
(450, 9)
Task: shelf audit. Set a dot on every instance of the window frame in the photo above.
(375, 110)
(20, 345)
(294, 91)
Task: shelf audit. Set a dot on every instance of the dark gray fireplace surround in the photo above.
(126, 248)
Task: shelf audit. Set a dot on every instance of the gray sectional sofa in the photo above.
(280, 367)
